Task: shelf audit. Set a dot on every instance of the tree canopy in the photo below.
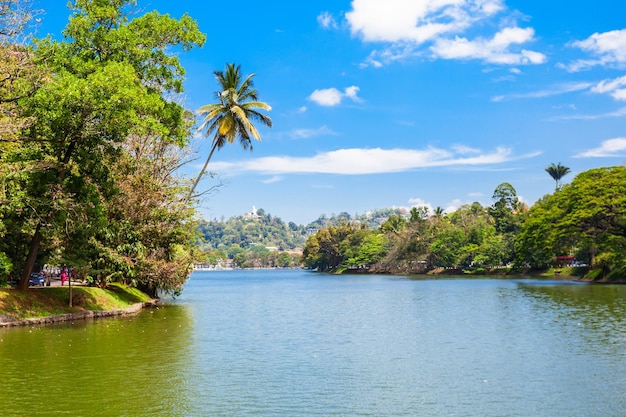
(100, 106)
(585, 219)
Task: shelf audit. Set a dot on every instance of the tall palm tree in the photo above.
(557, 172)
(231, 117)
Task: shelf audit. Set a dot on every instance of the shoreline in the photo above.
(7, 321)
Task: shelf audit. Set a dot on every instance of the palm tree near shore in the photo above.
(232, 116)
(557, 172)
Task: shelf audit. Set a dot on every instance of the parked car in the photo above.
(37, 279)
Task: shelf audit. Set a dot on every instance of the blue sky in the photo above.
(406, 103)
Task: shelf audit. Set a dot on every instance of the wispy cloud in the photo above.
(554, 90)
(616, 88)
(330, 97)
(615, 147)
(617, 113)
(326, 21)
(606, 49)
(309, 133)
(359, 161)
(407, 27)
(273, 179)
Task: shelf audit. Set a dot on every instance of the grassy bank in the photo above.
(47, 301)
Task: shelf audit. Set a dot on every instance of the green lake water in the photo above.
(295, 343)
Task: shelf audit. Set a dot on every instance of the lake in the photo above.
(297, 343)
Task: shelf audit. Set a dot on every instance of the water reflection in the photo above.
(133, 366)
(594, 312)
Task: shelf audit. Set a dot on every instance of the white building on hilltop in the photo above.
(252, 215)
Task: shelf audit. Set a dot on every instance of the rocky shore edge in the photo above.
(7, 321)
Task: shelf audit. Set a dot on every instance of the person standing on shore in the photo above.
(63, 276)
(45, 278)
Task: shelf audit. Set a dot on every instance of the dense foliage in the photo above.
(468, 237)
(583, 222)
(92, 134)
(585, 219)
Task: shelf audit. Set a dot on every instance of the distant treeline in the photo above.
(581, 223)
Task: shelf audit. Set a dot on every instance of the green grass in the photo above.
(44, 302)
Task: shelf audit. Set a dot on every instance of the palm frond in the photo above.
(231, 117)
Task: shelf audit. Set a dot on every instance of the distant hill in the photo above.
(252, 229)
(259, 228)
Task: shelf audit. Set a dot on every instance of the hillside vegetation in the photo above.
(259, 239)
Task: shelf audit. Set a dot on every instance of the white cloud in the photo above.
(454, 205)
(616, 88)
(326, 21)
(415, 21)
(608, 48)
(495, 50)
(615, 147)
(309, 133)
(405, 26)
(358, 161)
(330, 97)
(326, 97)
(418, 202)
(351, 92)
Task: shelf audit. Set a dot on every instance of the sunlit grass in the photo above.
(43, 302)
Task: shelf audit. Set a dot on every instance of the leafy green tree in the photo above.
(439, 212)
(111, 78)
(394, 224)
(557, 171)
(20, 77)
(418, 214)
(536, 245)
(284, 260)
(369, 250)
(232, 116)
(445, 246)
(330, 247)
(147, 228)
(507, 214)
(234, 250)
(588, 215)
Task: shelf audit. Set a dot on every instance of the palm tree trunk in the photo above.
(199, 177)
